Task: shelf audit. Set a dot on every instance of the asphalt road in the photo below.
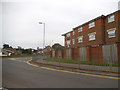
(18, 74)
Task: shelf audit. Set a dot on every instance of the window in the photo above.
(92, 24)
(73, 41)
(92, 36)
(68, 35)
(111, 18)
(68, 42)
(111, 33)
(80, 29)
(80, 39)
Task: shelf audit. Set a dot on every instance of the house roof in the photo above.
(112, 13)
(102, 16)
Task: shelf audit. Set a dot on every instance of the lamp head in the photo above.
(40, 23)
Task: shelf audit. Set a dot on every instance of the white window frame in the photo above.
(68, 35)
(92, 24)
(111, 18)
(80, 29)
(110, 31)
(68, 42)
(92, 36)
(73, 41)
(80, 39)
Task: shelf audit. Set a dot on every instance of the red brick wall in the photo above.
(96, 54)
(119, 27)
(99, 29)
(88, 56)
(64, 53)
(72, 53)
(118, 48)
(61, 54)
(75, 53)
(56, 54)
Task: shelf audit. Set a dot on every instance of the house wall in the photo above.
(96, 54)
(114, 24)
(99, 29)
(118, 48)
(95, 50)
(75, 53)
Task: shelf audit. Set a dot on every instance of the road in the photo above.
(18, 74)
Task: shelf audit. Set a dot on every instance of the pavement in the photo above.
(107, 69)
(19, 74)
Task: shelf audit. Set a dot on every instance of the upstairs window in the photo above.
(111, 33)
(80, 39)
(92, 24)
(111, 18)
(92, 36)
(68, 35)
(80, 29)
(73, 41)
(68, 43)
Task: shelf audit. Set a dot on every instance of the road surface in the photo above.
(18, 74)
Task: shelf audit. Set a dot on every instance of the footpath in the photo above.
(107, 69)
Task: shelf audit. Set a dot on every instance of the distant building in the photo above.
(47, 50)
(39, 51)
(6, 46)
(57, 50)
(7, 52)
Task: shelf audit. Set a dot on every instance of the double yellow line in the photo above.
(28, 62)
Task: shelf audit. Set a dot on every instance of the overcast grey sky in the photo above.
(20, 19)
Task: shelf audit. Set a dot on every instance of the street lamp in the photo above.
(43, 34)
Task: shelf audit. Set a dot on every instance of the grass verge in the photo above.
(78, 62)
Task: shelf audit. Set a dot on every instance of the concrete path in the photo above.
(78, 66)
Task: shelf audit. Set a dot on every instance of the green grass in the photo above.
(78, 62)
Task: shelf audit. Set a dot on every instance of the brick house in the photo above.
(90, 41)
(57, 50)
(47, 50)
(111, 48)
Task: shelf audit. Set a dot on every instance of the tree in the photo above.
(57, 46)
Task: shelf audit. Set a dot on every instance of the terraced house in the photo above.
(97, 40)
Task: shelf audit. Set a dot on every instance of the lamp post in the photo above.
(43, 34)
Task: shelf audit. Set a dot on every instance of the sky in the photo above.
(20, 19)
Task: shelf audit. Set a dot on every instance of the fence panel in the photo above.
(83, 54)
(110, 53)
(68, 53)
(53, 53)
(59, 54)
